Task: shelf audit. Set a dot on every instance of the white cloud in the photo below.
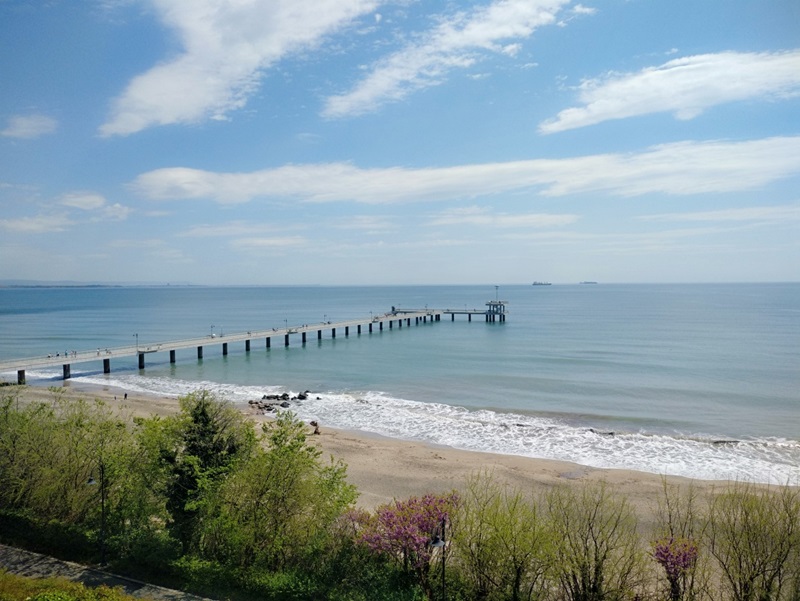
(87, 201)
(115, 212)
(482, 217)
(681, 168)
(226, 46)
(96, 203)
(232, 229)
(685, 86)
(779, 213)
(277, 242)
(29, 126)
(40, 224)
(454, 43)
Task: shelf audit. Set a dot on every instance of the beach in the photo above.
(383, 469)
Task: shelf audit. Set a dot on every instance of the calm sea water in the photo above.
(670, 370)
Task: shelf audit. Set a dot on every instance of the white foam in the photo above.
(772, 461)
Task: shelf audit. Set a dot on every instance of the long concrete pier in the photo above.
(400, 317)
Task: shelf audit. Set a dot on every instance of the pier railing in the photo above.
(495, 312)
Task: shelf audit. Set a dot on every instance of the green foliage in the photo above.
(278, 508)
(189, 455)
(754, 534)
(54, 595)
(597, 549)
(20, 588)
(503, 544)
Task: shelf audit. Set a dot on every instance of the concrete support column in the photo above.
(359, 328)
(65, 370)
(390, 324)
(333, 332)
(199, 352)
(370, 327)
(469, 316)
(304, 337)
(381, 326)
(246, 346)
(172, 356)
(286, 340)
(319, 334)
(106, 366)
(224, 348)
(452, 317)
(268, 342)
(346, 331)
(141, 360)
(21, 377)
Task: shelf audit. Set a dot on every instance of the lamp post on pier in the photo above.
(137, 341)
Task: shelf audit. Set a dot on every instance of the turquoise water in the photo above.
(669, 369)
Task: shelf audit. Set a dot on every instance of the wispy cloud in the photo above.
(226, 47)
(685, 86)
(97, 205)
(227, 230)
(86, 201)
(779, 213)
(679, 169)
(480, 216)
(455, 43)
(29, 126)
(40, 224)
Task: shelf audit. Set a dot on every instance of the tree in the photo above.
(596, 547)
(503, 543)
(195, 450)
(403, 532)
(679, 532)
(278, 508)
(754, 534)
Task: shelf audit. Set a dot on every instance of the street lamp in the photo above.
(212, 331)
(93, 482)
(137, 341)
(440, 542)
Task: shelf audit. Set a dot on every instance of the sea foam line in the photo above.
(770, 461)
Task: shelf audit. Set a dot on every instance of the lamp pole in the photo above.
(137, 341)
(212, 331)
(92, 482)
(441, 543)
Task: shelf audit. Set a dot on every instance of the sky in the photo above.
(371, 142)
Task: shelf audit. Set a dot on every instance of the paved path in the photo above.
(34, 565)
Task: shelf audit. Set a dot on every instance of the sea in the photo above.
(694, 380)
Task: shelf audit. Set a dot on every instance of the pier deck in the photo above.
(141, 350)
(495, 312)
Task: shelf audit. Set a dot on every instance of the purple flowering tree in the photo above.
(678, 557)
(403, 531)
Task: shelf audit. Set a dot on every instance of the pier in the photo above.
(495, 312)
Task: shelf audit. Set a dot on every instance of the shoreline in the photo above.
(384, 469)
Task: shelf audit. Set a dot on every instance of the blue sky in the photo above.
(372, 142)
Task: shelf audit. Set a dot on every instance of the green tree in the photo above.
(279, 508)
(754, 534)
(502, 543)
(192, 453)
(597, 549)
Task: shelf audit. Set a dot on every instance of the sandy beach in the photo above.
(384, 469)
